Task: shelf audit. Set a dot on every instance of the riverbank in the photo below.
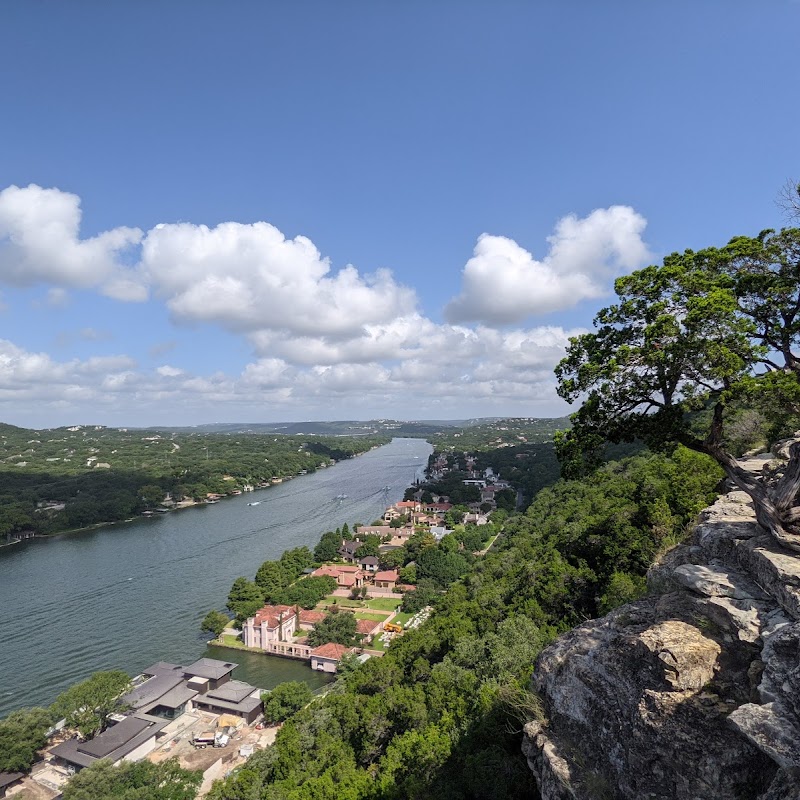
(153, 514)
(126, 595)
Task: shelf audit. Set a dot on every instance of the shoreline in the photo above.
(153, 514)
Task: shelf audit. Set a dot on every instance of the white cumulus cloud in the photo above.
(40, 243)
(252, 278)
(503, 283)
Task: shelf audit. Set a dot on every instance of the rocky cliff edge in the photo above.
(691, 692)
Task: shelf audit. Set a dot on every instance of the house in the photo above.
(386, 579)
(208, 673)
(8, 780)
(374, 530)
(439, 532)
(436, 508)
(161, 691)
(369, 563)
(348, 550)
(308, 619)
(365, 628)
(326, 657)
(129, 740)
(270, 624)
(347, 576)
(233, 697)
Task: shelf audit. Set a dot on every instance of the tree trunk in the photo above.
(776, 505)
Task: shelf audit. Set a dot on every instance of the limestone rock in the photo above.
(692, 692)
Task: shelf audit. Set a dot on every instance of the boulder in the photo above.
(692, 692)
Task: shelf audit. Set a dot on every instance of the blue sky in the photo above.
(465, 179)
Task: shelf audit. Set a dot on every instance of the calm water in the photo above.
(124, 596)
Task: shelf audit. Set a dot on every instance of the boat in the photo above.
(341, 497)
(256, 503)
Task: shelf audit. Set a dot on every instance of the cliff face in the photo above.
(692, 692)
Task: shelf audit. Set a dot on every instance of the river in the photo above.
(124, 596)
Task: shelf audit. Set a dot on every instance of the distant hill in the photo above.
(414, 428)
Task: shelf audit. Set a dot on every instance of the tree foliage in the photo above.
(338, 627)
(22, 733)
(214, 622)
(285, 699)
(440, 714)
(141, 780)
(244, 599)
(686, 343)
(327, 548)
(307, 592)
(86, 705)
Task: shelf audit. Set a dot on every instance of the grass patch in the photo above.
(402, 618)
(227, 640)
(345, 602)
(384, 603)
(374, 616)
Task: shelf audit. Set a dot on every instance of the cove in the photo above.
(124, 596)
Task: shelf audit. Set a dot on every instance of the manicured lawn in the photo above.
(231, 641)
(342, 601)
(402, 618)
(384, 603)
(375, 616)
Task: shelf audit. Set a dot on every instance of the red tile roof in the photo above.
(330, 650)
(366, 626)
(311, 617)
(387, 575)
(273, 615)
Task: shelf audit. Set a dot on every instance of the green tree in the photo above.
(285, 699)
(338, 627)
(309, 591)
(440, 566)
(244, 599)
(295, 561)
(392, 559)
(622, 588)
(86, 705)
(151, 495)
(418, 543)
(271, 579)
(328, 547)
(684, 343)
(141, 780)
(370, 545)
(214, 622)
(22, 733)
(472, 539)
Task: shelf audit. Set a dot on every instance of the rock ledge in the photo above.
(692, 692)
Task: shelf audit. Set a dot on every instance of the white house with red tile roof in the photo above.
(386, 579)
(347, 575)
(270, 624)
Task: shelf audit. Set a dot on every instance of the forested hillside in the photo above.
(440, 715)
(65, 478)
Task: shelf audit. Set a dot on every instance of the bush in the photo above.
(285, 700)
(214, 622)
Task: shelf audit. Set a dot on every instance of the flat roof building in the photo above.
(129, 740)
